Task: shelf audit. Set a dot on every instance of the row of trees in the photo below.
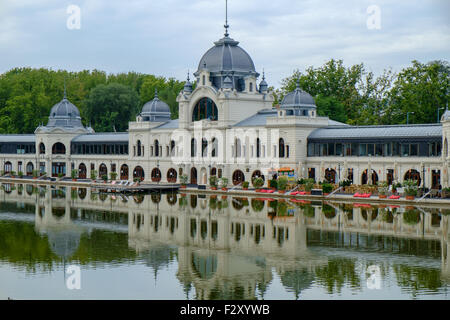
(107, 102)
(355, 96)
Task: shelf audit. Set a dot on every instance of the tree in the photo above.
(110, 107)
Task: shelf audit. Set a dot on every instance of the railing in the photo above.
(236, 186)
(294, 188)
(418, 200)
(334, 191)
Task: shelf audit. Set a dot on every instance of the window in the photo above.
(204, 80)
(193, 147)
(205, 109)
(258, 148)
(156, 145)
(287, 151)
(214, 147)
(379, 149)
(251, 86)
(281, 148)
(139, 151)
(363, 149)
(204, 147)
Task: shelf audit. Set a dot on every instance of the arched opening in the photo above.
(172, 175)
(281, 148)
(7, 167)
(258, 147)
(172, 148)
(330, 175)
(29, 168)
(82, 192)
(445, 153)
(204, 148)
(213, 171)
(205, 109)
(171, 198)
(215, 148)
(102, 170)
(156, 175)
(365, 177)
(193, 147)
(156, 148)
(124, 172)
(203, 176)
(412, 174)
(58, 148)
(257, 174)
(435, 179)
(237, 148)
(82, 171)
(41, 148)
(193, 175)
(238, 177)
(138, 173)
(139, 148)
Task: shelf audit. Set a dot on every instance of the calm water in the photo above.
(175, 246)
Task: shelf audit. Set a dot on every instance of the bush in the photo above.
(60, 175)
(258, 182)
(20, 174)
(93, 174)
(105, 177)
(273, 184)
(410, 187)
(326, 188)
(345, 183)
(301, 181)
(309, 184)
(35, 173)
(74, 174)
(113, 175)
(383, 187)
(245, 184)
(13, 173)
(213, 181)
(223, 182)
(282, 182)
(184, 179)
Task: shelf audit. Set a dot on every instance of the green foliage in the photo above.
(184, 179)
(27, 95)
(326, 188)
(258, 182)
(223, 182)
(345, 183)
(113, 175)
(35, 173)
(74, 173)
(213, 181)
(93, 174)
(410, 187)
(60, 175)
(282, 182)
(273, 183)
(245, 184)
(213, 203)
(257, 205)
(383, 187)
(309, 184)
(20, 174)
(105, 177)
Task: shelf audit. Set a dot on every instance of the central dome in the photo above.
(64, 114)
(227, 56)
(156, 110)
(298, 98)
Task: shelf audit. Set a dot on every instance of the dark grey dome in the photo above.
(156, 110)
(64, 114)
(298, 98)
(226, 55)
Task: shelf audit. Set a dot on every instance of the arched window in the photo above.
(445, 148)
(237, 148)
(139, 150)
(172, 148)
(204, 147)
(281, 148)
(156, 175)
(413, 174)
(124, 172)
(7, 167)
(193, 147)
(251, 86)
(156, 145)
(330, 175)
(82, 170)
(238, 177)
(41, 148)
(58, 148)
(215, 148)
(102, 170)
(172, 175)
(29, 168)
(205, 109)
(258, 148)
(138, 173)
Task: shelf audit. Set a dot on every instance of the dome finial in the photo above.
(65, 93)
(264, 75)
(226, 19)
(188, 76)
(298, 83)
(156, 93)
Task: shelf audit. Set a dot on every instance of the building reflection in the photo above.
(229, 248)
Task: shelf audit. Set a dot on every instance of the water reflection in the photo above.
(229, 247)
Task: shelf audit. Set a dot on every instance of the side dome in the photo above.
(155, 110)
(298, 98)
(65, 114)
(446, 115)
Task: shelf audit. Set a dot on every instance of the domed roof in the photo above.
(64, 114)
(226, 55)
(156, 110)
(298, 98)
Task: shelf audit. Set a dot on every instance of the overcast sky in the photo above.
(168, 37)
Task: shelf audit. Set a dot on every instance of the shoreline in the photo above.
(246, 193)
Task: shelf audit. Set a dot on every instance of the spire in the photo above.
(188, 76)
(226, 19)
(188, 85)
(156, 93)
(65, 93)
(264, 75)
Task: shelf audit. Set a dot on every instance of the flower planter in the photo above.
(214, 196)
(213, 188)
(74, 179)
(224, 189)
(382, 196)
(281, 191)
(182, 187)
(308, 193)
(224, 197)
(410, 197)
(326, 193)
(244, 188)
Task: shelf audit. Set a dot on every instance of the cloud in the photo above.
(168, 37)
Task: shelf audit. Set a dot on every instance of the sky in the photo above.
(168, 37)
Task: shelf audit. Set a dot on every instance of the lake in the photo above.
(75, 243)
